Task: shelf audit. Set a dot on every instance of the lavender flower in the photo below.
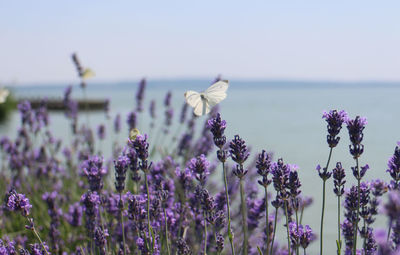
(7, 248)
(355, 128)
(263, 165)
(359, 174)
(219, 243)
(217, 127)
(117, 123)
(17, 202)
(167, 100)
(94, 171)
(394, 168)
(338, 179)
(100, 239)
(199, 167)
(131, 120)
(183, 113)
(335, 120)
(74, 216)
(152, 109)
(239, 154)
(325, 174)
(121, 166)
(101, 131)
(37, 249)
(182, 247)
(280, 177)
(141, 147)
(140, 95)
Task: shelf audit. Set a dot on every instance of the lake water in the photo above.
(283, 117)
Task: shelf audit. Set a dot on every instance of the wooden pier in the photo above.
(57, 104)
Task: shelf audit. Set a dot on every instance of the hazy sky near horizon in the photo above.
(122, 40)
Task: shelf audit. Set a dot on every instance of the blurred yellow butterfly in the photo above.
(134, 133)
(87, 73)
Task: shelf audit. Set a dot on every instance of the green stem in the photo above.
(266, 218)
(244, 217)
(365, 238)
(323, 203)
(230, 236)
(287, 225)
(122, 221)
(322, 218)
(273, 235)
(148, 210)
(166, 230)
(297, 230)
(390, 228)
(339, 248)
(37, 236)
(358, 209)
(205, 234)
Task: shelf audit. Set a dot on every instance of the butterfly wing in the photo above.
(87, 73)
(202, 108)
(216, 92)
(192, 98)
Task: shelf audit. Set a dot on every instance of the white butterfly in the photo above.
(3, 95)
(204, 101)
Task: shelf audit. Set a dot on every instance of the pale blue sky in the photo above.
(123, 40)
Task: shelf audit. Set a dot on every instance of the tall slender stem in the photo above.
(230, 236)
(287, 225)
(148, 210)
(390, 228)
(365, 237)
(120, 207)
(166, 231)
(323, 203)
(37, 235)
(205, 234)
(322, 218)
(297, 230)
(358, 209)
(244, 217)
(273, 235)
(266, 218)
(339, 248)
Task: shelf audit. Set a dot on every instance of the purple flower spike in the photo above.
(199, 167)
(94, 170)
(100, 239)
(355, 128)
(121, 166)
(392, 207)
(18, 202)
(217, 127)
(101, 131)
(117, 123)
(335, 120)
(338, 179)
(140, 95)
(394, 168)
(141, 147)
(325, 174)
(132, 117)
(239, 154)
(238, 150)
(263, 165)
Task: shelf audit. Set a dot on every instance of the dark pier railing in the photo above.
(57, 104)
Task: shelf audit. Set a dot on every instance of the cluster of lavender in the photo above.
(169, 192)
